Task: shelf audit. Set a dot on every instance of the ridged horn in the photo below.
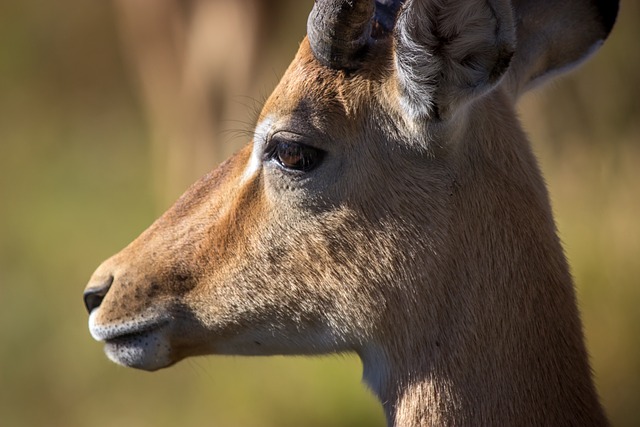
(339, 31)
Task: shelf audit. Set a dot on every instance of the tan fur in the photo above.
(426, 245)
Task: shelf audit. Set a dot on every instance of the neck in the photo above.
(495, 336)
(458, 378)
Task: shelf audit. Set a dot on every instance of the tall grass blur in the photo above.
(76, 185)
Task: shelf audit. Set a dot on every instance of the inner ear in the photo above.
(448, 53)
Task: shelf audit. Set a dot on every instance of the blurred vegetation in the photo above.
(75, 187)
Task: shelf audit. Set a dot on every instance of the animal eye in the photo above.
(296, 156)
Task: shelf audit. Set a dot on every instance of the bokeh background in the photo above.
(108, 110)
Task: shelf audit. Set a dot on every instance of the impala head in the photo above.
(344, 225)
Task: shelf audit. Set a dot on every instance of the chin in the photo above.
(146, 351)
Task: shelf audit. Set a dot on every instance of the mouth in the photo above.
(142, 344)
(128, 329)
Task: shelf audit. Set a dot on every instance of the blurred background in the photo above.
(108, 110)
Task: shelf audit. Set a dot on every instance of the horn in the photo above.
(339, 31)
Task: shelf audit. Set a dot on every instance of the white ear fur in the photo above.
(449, 52)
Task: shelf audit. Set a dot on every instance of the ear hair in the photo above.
(449, 52)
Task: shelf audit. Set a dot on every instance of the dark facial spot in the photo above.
(154, 289)
(257, 342)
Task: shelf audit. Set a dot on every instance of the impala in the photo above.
(389, 204)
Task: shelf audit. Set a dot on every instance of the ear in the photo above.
(448, 53)
(555, 36)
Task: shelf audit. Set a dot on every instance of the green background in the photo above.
(75, 187)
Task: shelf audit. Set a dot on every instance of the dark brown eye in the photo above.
(296, 156)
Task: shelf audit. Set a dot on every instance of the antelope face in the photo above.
(335, 218)
(268, 252)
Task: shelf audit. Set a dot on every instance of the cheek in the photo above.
(298, 279)
(307, 259)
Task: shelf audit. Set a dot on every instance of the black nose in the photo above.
(94, 295)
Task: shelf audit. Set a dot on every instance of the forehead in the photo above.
(318, 95)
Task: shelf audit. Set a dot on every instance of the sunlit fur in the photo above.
(450, 52)
(425, 243)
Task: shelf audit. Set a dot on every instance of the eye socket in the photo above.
(294, 155)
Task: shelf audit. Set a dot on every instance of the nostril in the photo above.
(93, 296)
